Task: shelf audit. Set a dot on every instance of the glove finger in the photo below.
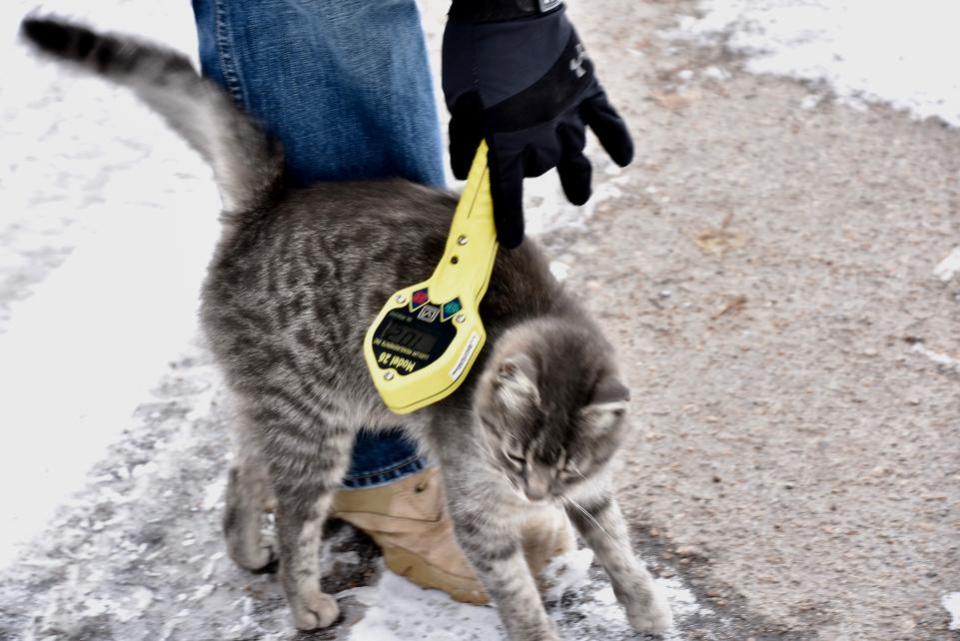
(466, 132)
(506, 189)
(610, 128)
(543, 156)
(574, 168)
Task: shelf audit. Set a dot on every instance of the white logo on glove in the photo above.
(576, 65)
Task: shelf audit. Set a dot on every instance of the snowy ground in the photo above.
(899, 52)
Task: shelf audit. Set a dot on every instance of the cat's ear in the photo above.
(607, 406)
(609, 390)
(516, 382)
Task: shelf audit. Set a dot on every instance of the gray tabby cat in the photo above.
(296, 279)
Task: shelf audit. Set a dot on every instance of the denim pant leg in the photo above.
(345, 85)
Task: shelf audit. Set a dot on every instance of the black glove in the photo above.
(519, 77)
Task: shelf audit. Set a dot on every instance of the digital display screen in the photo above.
(408, 340)
(407, 336)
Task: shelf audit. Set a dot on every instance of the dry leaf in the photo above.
(675, 101)
(733, 306)
(720, 241)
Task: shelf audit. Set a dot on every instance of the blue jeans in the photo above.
(345, 85)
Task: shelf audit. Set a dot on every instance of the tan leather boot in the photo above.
(409, 522)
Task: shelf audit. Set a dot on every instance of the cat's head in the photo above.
(552, 407)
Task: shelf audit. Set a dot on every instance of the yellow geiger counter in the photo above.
(425, 339)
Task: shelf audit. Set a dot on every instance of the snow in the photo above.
(546, 208)
(109, 222)
(945, 361)
(399, 611)
(567, 572)
(951, 601)
(559, 269)
(898, 51)
(949, 266)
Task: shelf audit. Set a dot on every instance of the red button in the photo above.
(420, 297)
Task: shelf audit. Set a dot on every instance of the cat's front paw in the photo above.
(649, 614)
(312, 609)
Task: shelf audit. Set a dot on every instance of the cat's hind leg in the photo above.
(307, 458)
(248, 496)
(601, 524)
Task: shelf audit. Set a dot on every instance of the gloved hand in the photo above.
(519, 77)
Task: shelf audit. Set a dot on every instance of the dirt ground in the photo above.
(768, 272)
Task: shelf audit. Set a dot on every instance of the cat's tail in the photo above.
(247, 162)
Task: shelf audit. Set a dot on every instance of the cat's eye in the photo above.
(515, 457)
(569, 474)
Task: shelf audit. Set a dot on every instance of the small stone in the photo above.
(654, 532)
(907, 624)
(690, 551)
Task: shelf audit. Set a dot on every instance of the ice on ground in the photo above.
(583, 607)
(397, 610)
(567, 572)
(546, 207)
(108, 223)
(899, 52)
(716, 73)
(945, 361)
(951, 601)
(949, 266)
(559, 269)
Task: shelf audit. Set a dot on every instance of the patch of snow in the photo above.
(109, 221)
(134, 603)
(213, 497)
(951, 601)
(943, 360)
(683, 602)
(894, 52)
(567, 572)
(949, 266)
(559, 269)
(811, 102)
(398, 610)
(716, 73)
(546, 208)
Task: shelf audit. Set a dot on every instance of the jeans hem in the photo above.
(383, 477)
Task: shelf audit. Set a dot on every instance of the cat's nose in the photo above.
(536, 489)
(535, 497)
